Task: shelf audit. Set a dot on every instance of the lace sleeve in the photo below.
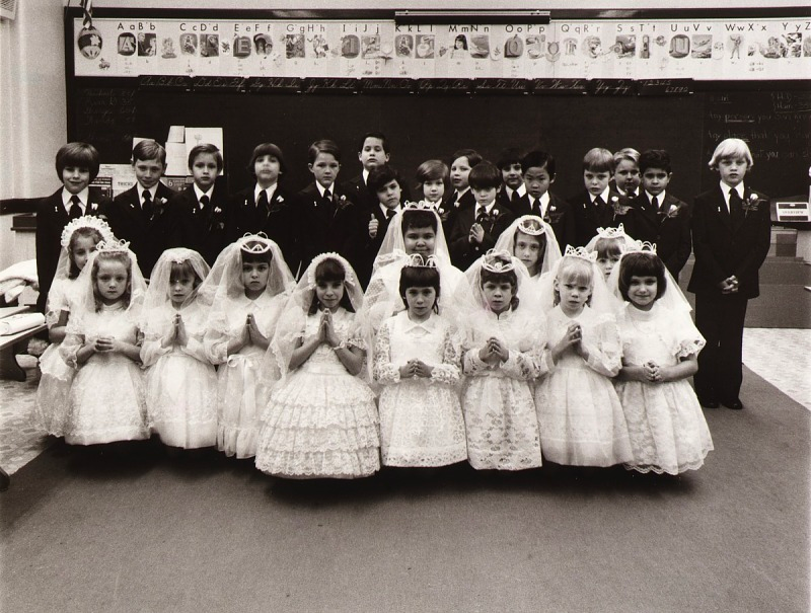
(69, 348)
(688, 340)
(449, 371)
(57, 303)
(522, 365)
(605, 349)
(215, 346)
(383, 371)
(471, 363)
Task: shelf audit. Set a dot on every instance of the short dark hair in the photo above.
(82, 155)
(641, 264)
(380, 176)
(417, 218)
(206, 148)
(325, 146)
(330, 270)
(431, 170)
(539, 159)
(266, 149)
(93, 233)
(485, 175)
(608, 247)
(655, 158)
(149, 150)
(498, 278)
(509, 156)
(374, 135)
(419, 277)
(471, 155)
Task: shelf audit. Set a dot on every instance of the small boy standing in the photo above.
(512, 189)
(598, 206)
(627, 172)
(385, 183)
(731, 234)
(142, 214)
(77, 164)
(373, 152)
(661, 217)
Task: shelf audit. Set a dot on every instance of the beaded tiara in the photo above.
(531, 225)
(114, 246)
(580, 252)
(640, 247)
(498, 261)
(422, 205)
(612, 233)
(86, 221)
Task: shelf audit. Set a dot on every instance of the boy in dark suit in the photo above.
(538, 172)
(731, 234)
(77, 164)
(266, 206)
(201, 207)
(460, 197)
(385, 183)
(476, 228)
(660, 217)
(512, 189)
(598, 206)
(143, 215)
(626, 176)
(329, 220)
(373, 152)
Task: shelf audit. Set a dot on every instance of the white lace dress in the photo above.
(581, 421)
(243, 386)
(421, 418)
(107, 401)
(57, 376)
(181, 382)
(667, 427)
(501, 426)
(321, 422)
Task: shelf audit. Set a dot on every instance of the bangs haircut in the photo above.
(330, 270)
(266, 149)
(498, 278)
(184, 268)
(540, 239)
(247, 256)
(418, 219)
(599, 160)
(124, 259)
(82, 155)
(608, 248)
(539, 159)
(380, 176)
(627, 153)
(576, 270)
(485, 176)
(419, 277)
(641, 264)
(655, 158)
(149, 150)
(206, 148)
(731, 148)
(509, 157)
(93, 233)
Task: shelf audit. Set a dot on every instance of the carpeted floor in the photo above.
(145, 532)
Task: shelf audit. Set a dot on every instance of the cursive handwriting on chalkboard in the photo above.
(107, 118)
(173, 82)
(275, 85)
(612, 87)
(501, 86)
(559, 86)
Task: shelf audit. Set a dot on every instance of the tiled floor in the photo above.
(781, 356)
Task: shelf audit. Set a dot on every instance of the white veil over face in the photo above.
(619, 233)
(85, 224)
(87, 301)
(534, 226)
(672, 298)
(291, 323)
(578, 259)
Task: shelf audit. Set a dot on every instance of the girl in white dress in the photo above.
(608, 245)
(505, 351)
(533, 242)
(79, 240)
(250, 278)
(667, 427)
(181, 382)
(417, 360)
(107, 396)
(581, 421)
(321, 421)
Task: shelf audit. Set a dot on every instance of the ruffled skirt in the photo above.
(53, 393)
(242, 394)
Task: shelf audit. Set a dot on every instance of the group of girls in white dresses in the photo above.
(526, 355)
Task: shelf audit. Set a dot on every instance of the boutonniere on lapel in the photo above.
(552, 211)
(92, 207)
(618, 206)
(673, 212)
(160, 205)
(751, 204)
(341, 202)
(277, 204)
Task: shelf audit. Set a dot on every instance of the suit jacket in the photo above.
(342, 229)
(51, 220)
(559, 216)
(588, 218)
(148, 237)
(448, 210)
(358, 190)
(203, 231)
(503, 200)
(464, 253)
(723, 249)
(372, 245)
(280, 222)
(670, 230)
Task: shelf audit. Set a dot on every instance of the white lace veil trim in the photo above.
(601, 300)
(157, 297)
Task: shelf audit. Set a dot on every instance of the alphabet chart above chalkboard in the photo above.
(706, 49)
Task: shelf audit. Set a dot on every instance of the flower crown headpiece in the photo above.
(262, 246)
(114, 246)
(498, 261)
(580, 252)
(418, 261)
(639, 247)
(532, 225)
(612, 233)
(422, 205)
(349, 278)
(86, 221)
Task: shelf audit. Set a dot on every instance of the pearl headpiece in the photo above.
(85, 221)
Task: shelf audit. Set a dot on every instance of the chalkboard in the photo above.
(775, 124)
(424, 125)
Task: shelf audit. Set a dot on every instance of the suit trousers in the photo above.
(720, 319)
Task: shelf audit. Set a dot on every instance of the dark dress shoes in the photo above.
(708, 403)
(733, 404)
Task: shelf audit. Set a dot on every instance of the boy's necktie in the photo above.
(655, 206)
(601, 206)
(204, 202)
(390, 213)
(146, 208)
(536, 208)
(75, 207)
(736, 207)
(327, 199)
(514, 199)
